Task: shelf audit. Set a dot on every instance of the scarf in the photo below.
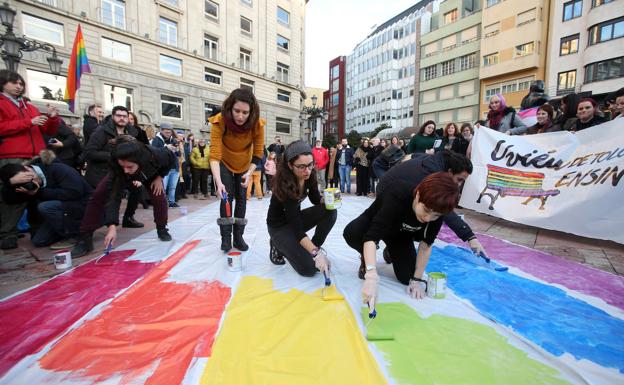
(495, 117)
(201, 150)
(231, 125)
(542, 127)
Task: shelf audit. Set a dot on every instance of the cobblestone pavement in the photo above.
(27, 266)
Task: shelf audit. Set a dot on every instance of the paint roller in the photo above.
(376, 335)
(330, 292)
(492, 265)
(228, 208)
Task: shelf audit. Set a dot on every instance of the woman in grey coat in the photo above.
(503, 118)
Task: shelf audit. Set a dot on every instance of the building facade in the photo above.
(514, 40)
(382, 74)
(173, 60)
(449, 63)
(586, 47)
(335, 106)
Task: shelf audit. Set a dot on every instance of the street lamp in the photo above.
(13, 46)
(312, 114)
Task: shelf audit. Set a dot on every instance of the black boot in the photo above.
(132, 223)
(275, 256)
(163, 234)
(84, 245)
(386, 255)
(225, 227)
(239, 229)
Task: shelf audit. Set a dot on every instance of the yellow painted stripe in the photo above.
(276, 338)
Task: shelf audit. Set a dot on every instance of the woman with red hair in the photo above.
(587, 114)
(399, 217)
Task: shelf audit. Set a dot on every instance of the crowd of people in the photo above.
(71, 180)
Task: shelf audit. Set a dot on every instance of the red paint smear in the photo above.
(154, 329)
(34, 318)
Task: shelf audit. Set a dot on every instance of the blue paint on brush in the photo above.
(544, 314)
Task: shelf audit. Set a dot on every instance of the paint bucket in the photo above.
(332, 198)
(62, 259)
(235, 261)
(436, 285)
(183, 210)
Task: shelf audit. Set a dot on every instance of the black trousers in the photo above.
(134, 196)
(200, 180)
(361, 180)
(400, 246)
(235, 190)
(285, 240)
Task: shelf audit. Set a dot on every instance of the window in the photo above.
(247, 2)
(491, 59)
(467, 61)
(491, 3)
(335, 85)
(171, 65)
(282, 125)
(212, 76)
(283, 16)
(509, 87)
(491, 30)
(607, 69)
(117, 96)
(168, 31)
(430, 49)
(244, 59)
(335, 71)
(335, 98)
(282, 72)
(450, 16)
(209, 110)
(448, 67)
(606, 31)
(569, 45)
(572, 9)
(171, 106)
(430, 72)
(172, 2)
(211, 9)
(282, 42)
(524, 83)
(491, 91)
(211, 47)
(283, 96)
(469, 35)
(566, 82)
(597, 3)
(449, 42)
(245, 25)
(526, 17)
(525, 49)
(246, 83)
(114, 13)
(116, 50)
(43, 30)
(45, 86)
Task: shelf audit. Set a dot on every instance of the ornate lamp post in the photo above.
(13, 46)
(313, 115)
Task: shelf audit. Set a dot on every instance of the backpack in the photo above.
(392, 155)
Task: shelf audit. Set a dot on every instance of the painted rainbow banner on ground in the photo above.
(171, 313)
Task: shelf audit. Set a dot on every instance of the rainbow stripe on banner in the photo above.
(78, 64)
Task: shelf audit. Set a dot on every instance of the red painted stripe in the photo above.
(34, 318)
(509, 171)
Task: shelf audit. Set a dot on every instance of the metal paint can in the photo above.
(436, 285)
(235, 261)
(332, 198)
(62, 259)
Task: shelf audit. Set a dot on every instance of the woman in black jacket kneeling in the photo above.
(287, 222)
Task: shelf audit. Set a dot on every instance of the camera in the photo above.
(30, 186)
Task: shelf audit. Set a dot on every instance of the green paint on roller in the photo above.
(451, 351)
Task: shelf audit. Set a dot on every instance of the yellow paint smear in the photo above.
(273, 338)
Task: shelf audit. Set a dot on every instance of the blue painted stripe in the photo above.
(544, 314)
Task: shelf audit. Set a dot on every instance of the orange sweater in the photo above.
(235, 150)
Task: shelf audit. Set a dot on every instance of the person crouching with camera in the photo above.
(56, 195)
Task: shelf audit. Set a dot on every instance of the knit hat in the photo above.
(166, 126)
(297, 148)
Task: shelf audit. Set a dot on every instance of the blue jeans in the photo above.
(52, 229)
(345, 177)
(170, 183)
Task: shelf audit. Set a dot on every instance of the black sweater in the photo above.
(391, 216)
(288, 213)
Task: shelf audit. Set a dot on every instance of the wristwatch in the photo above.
(371, 267)
(420, 281)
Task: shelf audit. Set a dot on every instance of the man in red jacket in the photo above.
(22, 130)
(321, 158)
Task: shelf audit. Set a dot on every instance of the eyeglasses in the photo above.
(302, 167)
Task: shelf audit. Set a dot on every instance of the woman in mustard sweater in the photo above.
(236, 148)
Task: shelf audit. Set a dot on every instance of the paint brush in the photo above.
(379, 335)
(107, 251)
(228, 208)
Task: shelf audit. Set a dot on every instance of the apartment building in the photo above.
(514, 39)
(586, 49)
(449, 62)
(335, 105)
(173, 60)
(382, 74)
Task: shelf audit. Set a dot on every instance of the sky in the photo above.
(334, 27)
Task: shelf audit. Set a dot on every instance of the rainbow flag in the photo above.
(78, 64)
